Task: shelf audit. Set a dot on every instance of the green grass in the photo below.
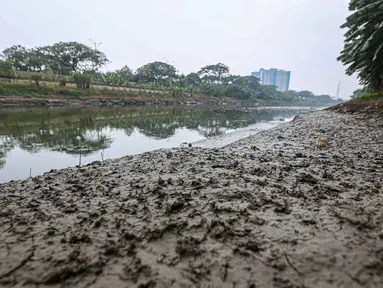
(31, 90)
(34, 91)
(370, 95)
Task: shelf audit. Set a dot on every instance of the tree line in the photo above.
(83, 64)
(362, 54)
(63, 58)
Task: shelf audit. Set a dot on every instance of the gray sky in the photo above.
(298, 35)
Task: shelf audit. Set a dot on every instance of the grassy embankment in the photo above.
(370, 95)
(29, 90)
(49, 87)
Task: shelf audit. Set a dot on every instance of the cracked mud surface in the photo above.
(272, 210)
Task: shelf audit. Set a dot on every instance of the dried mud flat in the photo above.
(272, 210)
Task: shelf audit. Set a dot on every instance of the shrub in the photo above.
(36, 78)
(236, 91)
(82, 81)
(212, 90)
(368, 95)
(6, 69)
(63, 83)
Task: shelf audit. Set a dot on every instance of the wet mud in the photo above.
(271, 210)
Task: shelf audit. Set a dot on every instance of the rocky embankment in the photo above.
(272, 210)
(15, 101)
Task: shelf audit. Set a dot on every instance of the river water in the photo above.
(36, 140)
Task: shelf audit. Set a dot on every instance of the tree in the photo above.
(18, 56)
(363, 48)
(192, 79)
(6, 69)
(250, 82)
(213, 90)
(125, 72)
(214, 73)
(230, 79)
(305, 94)
(82, 81)
(291, 93)
(69, 57)
(238, 92)
(36, 61)
(356, 93)
(268, 92)
(324, 98)
(156, 71)
(112, 78)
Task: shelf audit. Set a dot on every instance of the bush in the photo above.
(237, 92)
(6, 69)
(213, 90)
(62, 83)
(36, 78)
(82, 81)
(368, 95)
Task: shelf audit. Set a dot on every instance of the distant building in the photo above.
(275, 77)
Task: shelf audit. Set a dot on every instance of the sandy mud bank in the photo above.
(272, 210)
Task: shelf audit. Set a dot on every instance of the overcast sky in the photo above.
(298, 35)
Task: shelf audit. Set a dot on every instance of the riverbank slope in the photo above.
(269, 210)
(108, 101)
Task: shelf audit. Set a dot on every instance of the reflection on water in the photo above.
(42, 139)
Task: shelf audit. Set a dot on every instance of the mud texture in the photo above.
(272, 210)
(371, 108)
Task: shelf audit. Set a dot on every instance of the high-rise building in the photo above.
(275, 77)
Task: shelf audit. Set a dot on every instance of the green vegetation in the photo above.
(31, 90)
(77, 64)
(365, 94)
(156, 72)
(60, 58)
(363, 49)
(369, 95)
(82, 81)
(6, 70)
(43, 91)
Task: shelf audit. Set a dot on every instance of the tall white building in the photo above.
(275, 77)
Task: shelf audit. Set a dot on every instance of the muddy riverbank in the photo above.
(271, 210)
